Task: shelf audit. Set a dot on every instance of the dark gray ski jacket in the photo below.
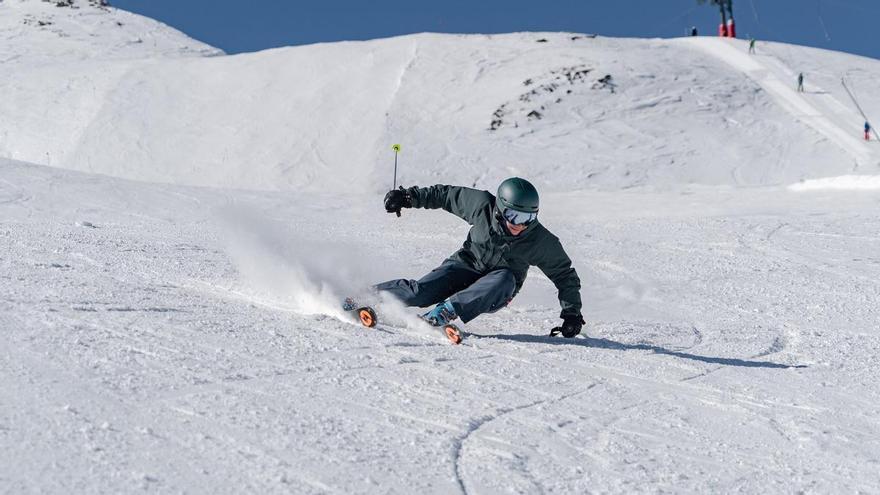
(489, 246)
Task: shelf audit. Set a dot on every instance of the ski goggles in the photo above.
(519, 217)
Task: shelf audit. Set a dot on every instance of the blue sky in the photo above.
(244, 26)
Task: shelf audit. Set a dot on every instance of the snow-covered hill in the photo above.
(36, 33)
(570, 111)
(180, 333)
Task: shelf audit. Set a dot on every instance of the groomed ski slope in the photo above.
(822, 111)
(168, 330)
(159, 337)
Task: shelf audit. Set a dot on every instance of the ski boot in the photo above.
(441, 316)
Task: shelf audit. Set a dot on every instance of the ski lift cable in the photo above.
(760, 26)
(856, 103)
(852, 5)
(764, 30)
(755, 13)
(677, 17)
(821, 20)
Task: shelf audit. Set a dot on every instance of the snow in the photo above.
(831, 121)
(297, 118)
(39, 33)
(845, 182)
(169, 282)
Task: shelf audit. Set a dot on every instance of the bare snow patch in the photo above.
(842, 183)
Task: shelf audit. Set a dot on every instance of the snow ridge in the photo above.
(40, 33)
(625, 113)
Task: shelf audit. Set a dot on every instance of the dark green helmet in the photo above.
(517, 194)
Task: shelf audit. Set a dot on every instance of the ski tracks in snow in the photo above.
(477, 424)
(686, 374)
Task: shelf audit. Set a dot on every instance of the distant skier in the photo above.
(751, 45)
(800, 87)
(487, 272)
(867, 131)
(693, 30)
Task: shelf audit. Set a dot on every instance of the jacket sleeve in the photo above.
(463, 202)
(556, 264)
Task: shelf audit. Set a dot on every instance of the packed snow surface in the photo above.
(844, 182)
(177, 230)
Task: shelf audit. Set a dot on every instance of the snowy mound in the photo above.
(40, 32)
(569, 111)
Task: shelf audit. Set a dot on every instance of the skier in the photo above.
(867, 131)
(800, 87)
(751, 45)
(487, 272)
(693, 30)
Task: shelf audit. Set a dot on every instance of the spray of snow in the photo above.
(284, 269)
(842, 183)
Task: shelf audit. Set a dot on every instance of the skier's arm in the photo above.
(463, 202)
(556, 264)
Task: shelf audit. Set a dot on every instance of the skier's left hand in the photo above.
(571, 326)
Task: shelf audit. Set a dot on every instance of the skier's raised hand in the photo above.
(397, 199)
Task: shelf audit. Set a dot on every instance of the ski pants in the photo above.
(470, 292)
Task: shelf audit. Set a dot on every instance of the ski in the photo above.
(365, 314)
(368, 317)
(452, 333)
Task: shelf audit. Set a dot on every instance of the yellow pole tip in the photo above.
(396, 147)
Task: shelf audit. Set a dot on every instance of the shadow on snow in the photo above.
(618, 346)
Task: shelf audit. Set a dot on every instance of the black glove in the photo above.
(571, 326)
(397, 199)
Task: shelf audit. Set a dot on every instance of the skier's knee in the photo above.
(504, 290)
(500, 304)
(507, 283)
